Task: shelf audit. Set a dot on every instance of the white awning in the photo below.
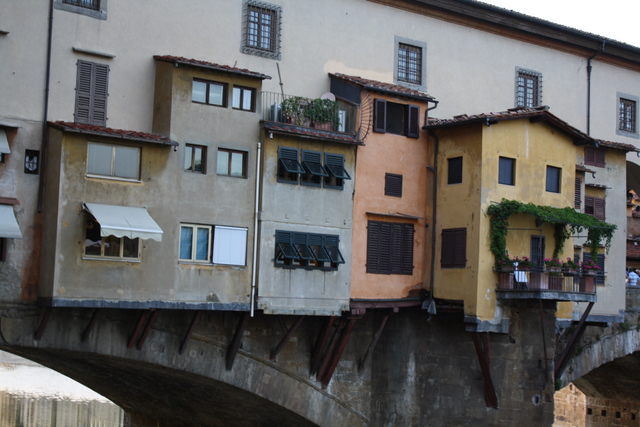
(124, 221)
(4, 142)
(8, 225)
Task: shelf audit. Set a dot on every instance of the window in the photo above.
(553, 179)
(409, 64)
(399, 119)
(243, 98)
(113, 161)
(577, 198)
(507, 171)
(3, 249)
(454, 170)
(206, 92)
(231, 163)
(334, 165)
(261, 32)
(389, 248)
(93, 8)
(594, 206)
(230, 245)
(307, 250)
(454, 248)
(91, 93)
(589, 411)
(314, 172)
(528, 88)
(112, 247)
(594, 156)
(195, 158)
(600, 261)
(195, 243)
(288, 166)
(88, 4)
(392, 185)
(627, 115)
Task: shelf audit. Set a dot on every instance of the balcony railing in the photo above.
(532, 280)
(321, 114)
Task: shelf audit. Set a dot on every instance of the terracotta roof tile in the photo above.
(383, 87)
(210, 66)
(128, 135)
(616, 145)
(304, 132)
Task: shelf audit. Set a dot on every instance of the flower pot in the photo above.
(322, 126)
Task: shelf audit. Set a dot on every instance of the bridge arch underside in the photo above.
(164, 396)
(618, 380)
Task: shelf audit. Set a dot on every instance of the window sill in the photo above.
(209, 265)
(114, 178)
(104, 258)
(206, 103)
(231, 176)
(246, 111)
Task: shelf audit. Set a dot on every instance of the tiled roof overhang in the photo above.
(385, 88)
(127, 135)
(309, 133)
(205, 65)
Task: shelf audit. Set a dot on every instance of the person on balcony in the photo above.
(633, 278)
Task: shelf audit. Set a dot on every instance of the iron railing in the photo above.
(88, 4)
(532, 280)
(322, 114)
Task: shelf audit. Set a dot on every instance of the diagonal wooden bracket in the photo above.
(334, 357)
(481, 343)
(187, 335)
(142, 329)
(87, 329)
(274, 351)
(321, 345)
(562, 358)
(236, 342)
(374, 341)
(42, 325)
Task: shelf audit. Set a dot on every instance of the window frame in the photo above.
(216, 229)
(194, 243)
(231, 151)
(193, 148)
(310, 160)
(285, 168)
(99, 13)
(113, 162)
(410, 125)
(90, 221)
(452, 241)
(242, 90)
(421, 82)
(548, 185)
(274, 50)
(521, 89)
(623, 116)
(595, 156)
(512, 171)
(455, 176)
(208, 84)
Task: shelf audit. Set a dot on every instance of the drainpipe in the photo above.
(256, 215)
(45, 116)
(589, 93)
(434, 208)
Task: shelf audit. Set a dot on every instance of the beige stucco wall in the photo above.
(388, 153)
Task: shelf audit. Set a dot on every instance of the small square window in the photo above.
(195, 158)
(243, 98)
(507, 171)
(288, 166)
(230, 245)
(195, 243)
(627, 115)
(409, 64)
(111, 247)
(231, 163)
(212, 93)
(594, 156)
(334, 165)
(261, 32)
(553, 179)
(528, 88)
(313, 169)
(392, 185)
(454, 170)
(113, 161)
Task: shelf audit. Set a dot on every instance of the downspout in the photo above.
(256, 215)
(431, 308)
(45, 116)
(589, 94)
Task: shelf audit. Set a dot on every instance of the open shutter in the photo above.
(100, 93)
(413, 121)
(578, 193)
(598, 208)
(83, 92)
(380, 115)
(334, 164)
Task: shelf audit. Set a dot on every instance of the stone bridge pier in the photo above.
(423, 371)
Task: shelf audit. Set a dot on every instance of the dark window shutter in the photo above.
(598, 208)
(406, 249)
(537, 251)
(100, 93)
(578, 193)
(413, 121)
(393, 185)
(600, 275)
(92, 89)
(454, 172)
(389, 248)
(373, 249)
(453, 252)
(599, 158)
(589, 205)
(589, 155)
(83, 92)
(380, 116)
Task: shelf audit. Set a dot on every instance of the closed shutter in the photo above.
(413, 121)
(599, 158)
(100, 92)
(589, 205)
(380, 116)
(598, 208)
(589, 155)
(537, 251)
(578, 193)
(393, 185)
(406, 250)
(454, 248)
(83, 92)
(92, 86)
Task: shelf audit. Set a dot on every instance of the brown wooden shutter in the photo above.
(100, 93)
(598, 208)
(599, 157)
(380, 116)
(393, 185)
(453, 252)
(83, 92)
(413, 121)
(406, 249)
(578, 193)
(589, 155)
(589, 205)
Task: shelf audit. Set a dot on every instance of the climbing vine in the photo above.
(566, 222)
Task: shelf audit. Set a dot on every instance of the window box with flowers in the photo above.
(570, 267)
(553, 265)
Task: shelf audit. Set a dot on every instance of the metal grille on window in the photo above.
(409, 63)
(527, 90)
(88, 4)
(260, 28)
(627, 115)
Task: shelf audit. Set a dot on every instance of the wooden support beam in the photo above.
(135, 334)
(544, 343)
(42, 325)
(237, 340)
(87, 329)
(374, 341)
(481, 344)
(274, 351)
(331, 345)
(563, 358)
(320, 346)
(337, 354)
(187, 335)
(147, 329)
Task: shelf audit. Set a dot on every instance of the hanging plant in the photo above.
(566, 222)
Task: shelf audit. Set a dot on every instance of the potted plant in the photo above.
(522, 263)
(322, 113)
(589, 268)
(570, 267)
(552, 265)
(504, 265)
(293, 110)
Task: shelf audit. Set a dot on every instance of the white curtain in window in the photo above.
(230, 245)
(127, 164)
(99, 159)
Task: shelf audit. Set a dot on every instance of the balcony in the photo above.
(538, 284)
(323, 118)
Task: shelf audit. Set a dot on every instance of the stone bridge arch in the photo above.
(155, 383)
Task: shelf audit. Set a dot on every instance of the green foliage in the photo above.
(322, 111)
(293, 109)
(566, 222)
